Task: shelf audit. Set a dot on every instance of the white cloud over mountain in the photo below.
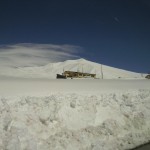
(28, 54)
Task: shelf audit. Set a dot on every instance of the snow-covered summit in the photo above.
(82, 65)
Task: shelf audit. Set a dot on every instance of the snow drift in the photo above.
(75, 121)
(74, 114)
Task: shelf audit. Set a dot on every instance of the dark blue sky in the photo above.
(112, 32)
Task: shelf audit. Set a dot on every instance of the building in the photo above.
(73, 74)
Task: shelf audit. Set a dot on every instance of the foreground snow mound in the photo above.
(50, 70)
(75, 121)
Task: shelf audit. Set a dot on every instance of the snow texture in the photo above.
(73, 121)
(78, 114)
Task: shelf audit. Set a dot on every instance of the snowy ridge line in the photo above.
(110, 121)
(50, 70)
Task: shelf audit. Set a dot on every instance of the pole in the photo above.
(101, 71)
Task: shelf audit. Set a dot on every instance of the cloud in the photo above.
(28, 54)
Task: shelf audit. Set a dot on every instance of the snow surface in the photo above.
(50, 70)
(43, 114)
(40, 113)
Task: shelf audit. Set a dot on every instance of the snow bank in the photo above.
(75, 121)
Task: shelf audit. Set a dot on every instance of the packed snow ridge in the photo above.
(110, 121)
(50, 70)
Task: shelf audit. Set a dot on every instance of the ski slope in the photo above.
(50, 70)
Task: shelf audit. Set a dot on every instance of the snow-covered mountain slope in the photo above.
(50, 70)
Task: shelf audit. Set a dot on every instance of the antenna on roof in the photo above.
(78, 68)
(63, 70)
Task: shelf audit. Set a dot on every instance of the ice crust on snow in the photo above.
(75, 121)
